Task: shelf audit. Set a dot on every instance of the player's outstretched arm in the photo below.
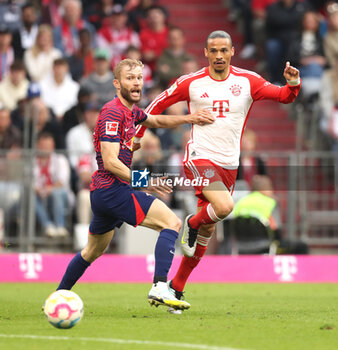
(200, 117)
(110, 152)
(291, 74)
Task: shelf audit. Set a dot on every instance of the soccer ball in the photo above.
(63, 309)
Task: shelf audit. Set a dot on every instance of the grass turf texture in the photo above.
(234, 316)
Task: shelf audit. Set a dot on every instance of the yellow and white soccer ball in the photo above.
(63, 309)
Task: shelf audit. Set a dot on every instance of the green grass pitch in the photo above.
(222, 317)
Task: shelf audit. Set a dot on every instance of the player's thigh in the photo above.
(220, 198)
(159, 216)
(96, 245)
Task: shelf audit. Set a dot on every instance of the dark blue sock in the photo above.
(164, 253)
(74, 271)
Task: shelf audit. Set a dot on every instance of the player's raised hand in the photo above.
(290, 73)
(202, 117)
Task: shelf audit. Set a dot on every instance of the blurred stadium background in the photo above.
(56, 60)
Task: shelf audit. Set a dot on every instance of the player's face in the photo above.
(131, 84)
(219, 53)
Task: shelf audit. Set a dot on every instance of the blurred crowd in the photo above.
(56, 62)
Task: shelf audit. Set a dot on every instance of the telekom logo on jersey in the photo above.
(220, 106)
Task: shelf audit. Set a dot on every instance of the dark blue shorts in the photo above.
(117, 204)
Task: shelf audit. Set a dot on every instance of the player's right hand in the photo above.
(202, 117)
(161, 187)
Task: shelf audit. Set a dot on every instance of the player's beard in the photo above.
(125, 93)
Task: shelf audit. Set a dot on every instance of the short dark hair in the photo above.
(27, 5)
(157, 7)
(60, 62)
(45, 135)
(218, 34)
(17, 65)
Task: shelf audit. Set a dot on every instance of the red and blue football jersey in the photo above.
(116, 123)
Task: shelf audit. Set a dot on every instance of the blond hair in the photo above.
(43, 28)
(128, 62)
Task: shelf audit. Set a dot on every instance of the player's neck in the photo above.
(126, 103)
(219, 75)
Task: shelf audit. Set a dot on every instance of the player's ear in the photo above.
(206, 52)
(232, 51)
(116, 84)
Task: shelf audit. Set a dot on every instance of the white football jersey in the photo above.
(229, 100)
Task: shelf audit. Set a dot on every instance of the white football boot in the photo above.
(161, 295)
(189, 237)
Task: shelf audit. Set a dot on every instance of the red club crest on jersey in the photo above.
(112, 128)
(236, 90)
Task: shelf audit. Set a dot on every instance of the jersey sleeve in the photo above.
(261, 89)
(179, 91)
(141, 116)
(110, 125)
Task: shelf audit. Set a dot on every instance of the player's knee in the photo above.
(173, 223)
(223, 209)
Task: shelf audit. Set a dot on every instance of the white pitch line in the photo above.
(119, 341)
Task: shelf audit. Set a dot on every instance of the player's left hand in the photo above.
(290, 73)
(202, 117)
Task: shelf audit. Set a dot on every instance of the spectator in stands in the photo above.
(169, 64)
(10, 136)
(6, 50)
(51, 12)
(59, 90)
(329, 103)
(79, 139)
(249, 164)
(331, 38)
(115, 36)
(14, 86)
(100, 81)
(10, 14)
(52, 176)
(81, 64)
(80, 147)
(307, 53)
(134, 53)
(189, 66)
(138, 15)
(262, 205)
(40, 57)
(45, 123)
(283, 20)
(66, 35)
(24, 37)
(154, 37)
(74, 116)
(42, 121)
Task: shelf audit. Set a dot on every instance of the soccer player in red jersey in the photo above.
(113, 200)
(213, 150)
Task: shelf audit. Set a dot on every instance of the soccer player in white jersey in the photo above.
(213, 150)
